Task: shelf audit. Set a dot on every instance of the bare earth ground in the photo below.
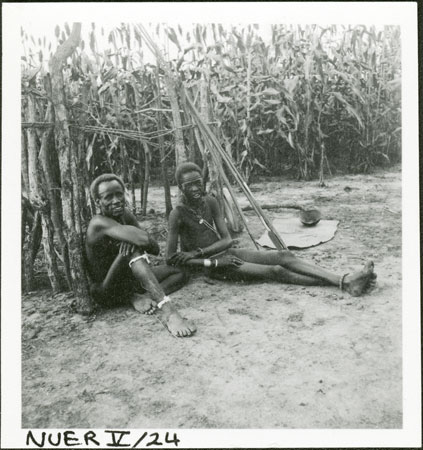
(265, 355)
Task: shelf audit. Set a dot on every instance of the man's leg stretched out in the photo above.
(201, 228)
(286, 267)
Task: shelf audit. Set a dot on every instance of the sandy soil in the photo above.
(265, 355)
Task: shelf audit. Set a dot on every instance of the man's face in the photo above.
(192, 186)
(111, 198)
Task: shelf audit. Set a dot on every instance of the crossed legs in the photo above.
(160, 278)
(157, 281)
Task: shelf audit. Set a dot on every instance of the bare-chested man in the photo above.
(116, 248)
(205, 242)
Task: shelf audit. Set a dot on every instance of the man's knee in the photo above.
(182, 276)
(136, 257)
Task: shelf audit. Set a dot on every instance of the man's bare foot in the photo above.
(362, 281)
(143, 304)
(178, 326)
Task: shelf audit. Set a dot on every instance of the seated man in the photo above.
(205, 242)
(116, 249)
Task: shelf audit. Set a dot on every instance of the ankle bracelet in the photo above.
(341, 281)
(166, 299)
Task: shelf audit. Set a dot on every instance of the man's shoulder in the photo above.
(213, 204)
(97, 228)
(210, 199)
(99, 222)
(98, 219)
(181, 208)
(177, 211)
(129, 217)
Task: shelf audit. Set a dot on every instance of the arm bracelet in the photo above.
(137, 258)
(207, 263)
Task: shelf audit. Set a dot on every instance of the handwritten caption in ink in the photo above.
(109, 438)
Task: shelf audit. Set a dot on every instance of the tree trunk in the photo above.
(25, 218)
(191, 137)
(199, 143)
(32, 220)
(180, 150)
(51, 172)
(133, 197)
(247, 138)
(141, 158)
(71, 208)
(171, 85)
(141, 154)
(192, 154)
(24, 164)
(43, 227)
(124, 157)
(33, 245)
(215, 185)
(146, 178)
(322, 161)
(81, 164)
(50, 253)
(34, 194)
(163, 165)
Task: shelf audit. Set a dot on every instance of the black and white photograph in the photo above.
(217, 241)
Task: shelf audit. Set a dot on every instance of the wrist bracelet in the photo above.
(166, 299)
(207, 263)
(215, 263)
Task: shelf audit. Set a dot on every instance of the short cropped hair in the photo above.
(184, 168)
(101, 179)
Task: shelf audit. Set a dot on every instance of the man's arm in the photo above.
(101, 226)
(195, 258)
(172, 234)
(172, 255)
(225, 241)
(130, 219)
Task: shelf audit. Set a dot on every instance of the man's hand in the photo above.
(181, 258)
(229, 261)
(126, 249)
